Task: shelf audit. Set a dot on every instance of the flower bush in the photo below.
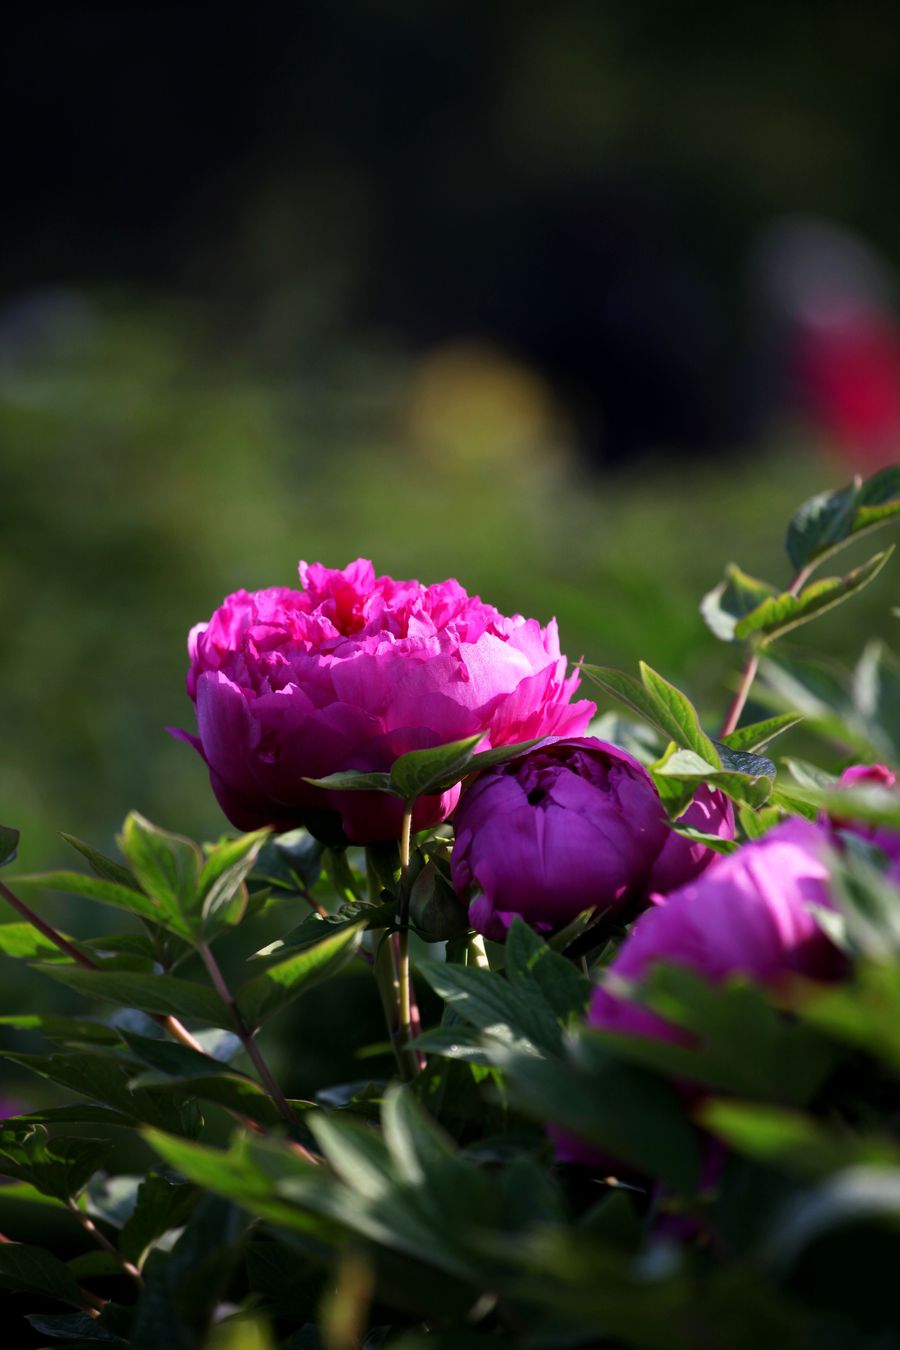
(636, 1080)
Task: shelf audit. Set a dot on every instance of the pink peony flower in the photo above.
(353, 671)
(750, 913)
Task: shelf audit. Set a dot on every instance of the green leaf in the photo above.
(353, 780)
(423, 773)
(864, 803)
(57, 1167)
(488, 759)
(867, 902)
(658, 702)
(455, 1042)
(265, 994)
(791, 1139)
(32, 1270)
(876, 698)
(250, 1173)
(79, 1113)
(747, 778)
(226, 1088)
(715, 842)
(417, 1146)
(864, 1012)
(80, 1328)
(61, 1028)
(757, 735)
(222, 884)
(781, 613)
(831, 520)
(171, 1057)
(493, 1004)
(757, 822)
(626, 1112)
(104, 867)
(167, 866)
(315, 927)
(162, 994)
(736, 595)
(626, 689)
(24, 942)
(163, 1202)
(28, 1194)
(183, 1286)
(95, 888)
(112, 1198)
(541, 973)
(9, 844)
(677, 715)
(808, 775)
(104, 1079)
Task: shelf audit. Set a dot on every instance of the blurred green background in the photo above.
(466, 289)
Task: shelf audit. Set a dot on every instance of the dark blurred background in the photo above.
(574, 301)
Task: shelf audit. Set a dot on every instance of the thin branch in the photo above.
(103, 1241)
(751, 665)
(248, 1041)
(736, 707)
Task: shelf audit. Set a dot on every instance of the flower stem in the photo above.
(407, 1008)
(403, 935)
(751, 665)
(245, 1034)
(103, 1241)
(736, 707)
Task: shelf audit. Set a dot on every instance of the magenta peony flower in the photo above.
(353, 671)
(569, 825)
(750, 914)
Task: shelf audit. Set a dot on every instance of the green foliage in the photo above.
(286, 980)
(831, 520)
(779, 614)
(736, 596)
(660, 704)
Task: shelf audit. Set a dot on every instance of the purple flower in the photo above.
(750, 913)
(353, 671)
(571, 824)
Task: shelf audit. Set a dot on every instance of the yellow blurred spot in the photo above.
(472, 406)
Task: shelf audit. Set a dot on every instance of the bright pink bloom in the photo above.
(750, 913)
(351, 672)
